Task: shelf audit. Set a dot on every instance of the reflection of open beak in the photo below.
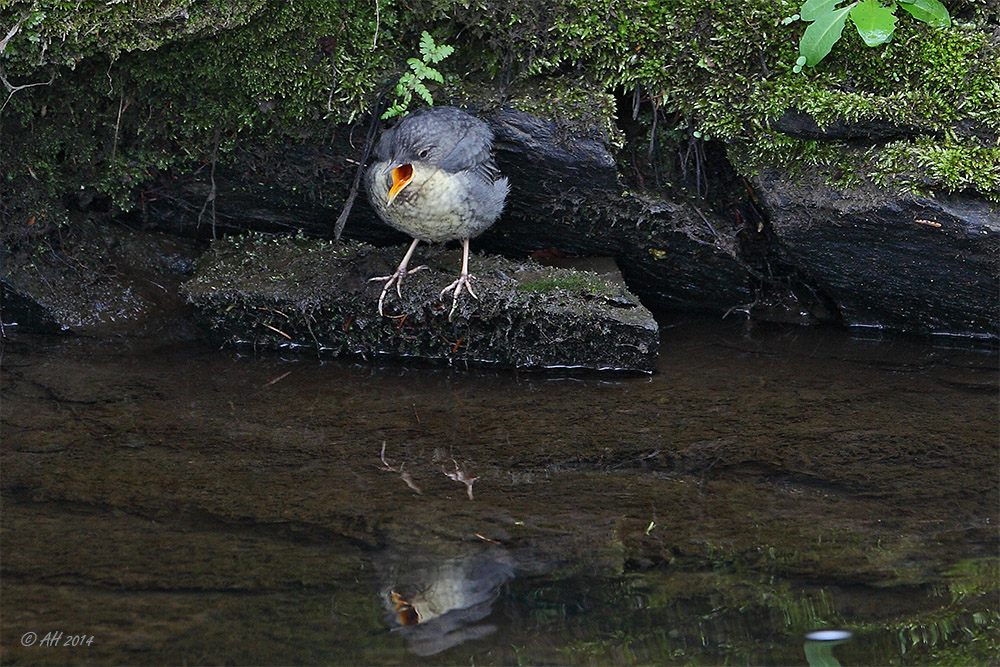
(401, 176)
(406, 612)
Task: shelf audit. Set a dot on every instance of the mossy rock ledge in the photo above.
(285, 292)
(891, 259)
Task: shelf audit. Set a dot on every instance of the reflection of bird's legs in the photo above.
(464, 280)
(397, 275)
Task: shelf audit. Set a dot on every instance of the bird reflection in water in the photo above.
(437, 602)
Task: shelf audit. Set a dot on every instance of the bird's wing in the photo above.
(472, 147)
(488, 171)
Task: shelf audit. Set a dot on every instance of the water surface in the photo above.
(184, 504)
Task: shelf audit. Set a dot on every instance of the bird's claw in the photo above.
(396, 278)
(464, 280)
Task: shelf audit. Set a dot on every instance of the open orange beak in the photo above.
(401, 176)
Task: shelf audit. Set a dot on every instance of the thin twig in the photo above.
(121, 107)
(329, 44)
(211, 193)
(278, 379)
(653, 154)
(13, 89)
(724, 246)
(276, 330)
(697, 169)
(13, 31)
(333, 83)
(307, 317)
(652, 132)
(338, 227)
(709, 224)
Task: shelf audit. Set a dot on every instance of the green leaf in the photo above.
(874, 22)
(813, 9)
(822, 34)
(929, 11)
(418, 67)
(421, 89)
(441, 52)
(433, 74)
(412, 82)
(406, 80)
(426, 45)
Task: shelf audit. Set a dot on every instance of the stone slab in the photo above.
(294, 292)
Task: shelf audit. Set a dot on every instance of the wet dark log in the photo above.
(860, 253)
(798, 124)
(567, 195)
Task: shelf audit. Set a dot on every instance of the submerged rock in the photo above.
(96, 280)
(294, 292)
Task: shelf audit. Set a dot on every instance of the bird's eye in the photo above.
(424, 152)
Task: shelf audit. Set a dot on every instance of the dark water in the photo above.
(186, 505)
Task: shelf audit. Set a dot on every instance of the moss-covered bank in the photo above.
(139, 90)
(134, 104)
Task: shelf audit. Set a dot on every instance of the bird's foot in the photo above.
(464, 280)
(395, 278)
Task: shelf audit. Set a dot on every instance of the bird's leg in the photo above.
(397, 275)
(464, 280)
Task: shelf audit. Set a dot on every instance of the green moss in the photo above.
(926, 78)
(949, 164)
(118, 113)
(576, 282)
(941, 82)
(837, 160)
(920, 165)
(571, 100)
(62, 33)
(140, 89)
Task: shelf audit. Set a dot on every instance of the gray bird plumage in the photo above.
(454, 140)
(435, 179)
(456, 191)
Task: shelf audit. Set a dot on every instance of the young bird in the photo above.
(434, 178)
